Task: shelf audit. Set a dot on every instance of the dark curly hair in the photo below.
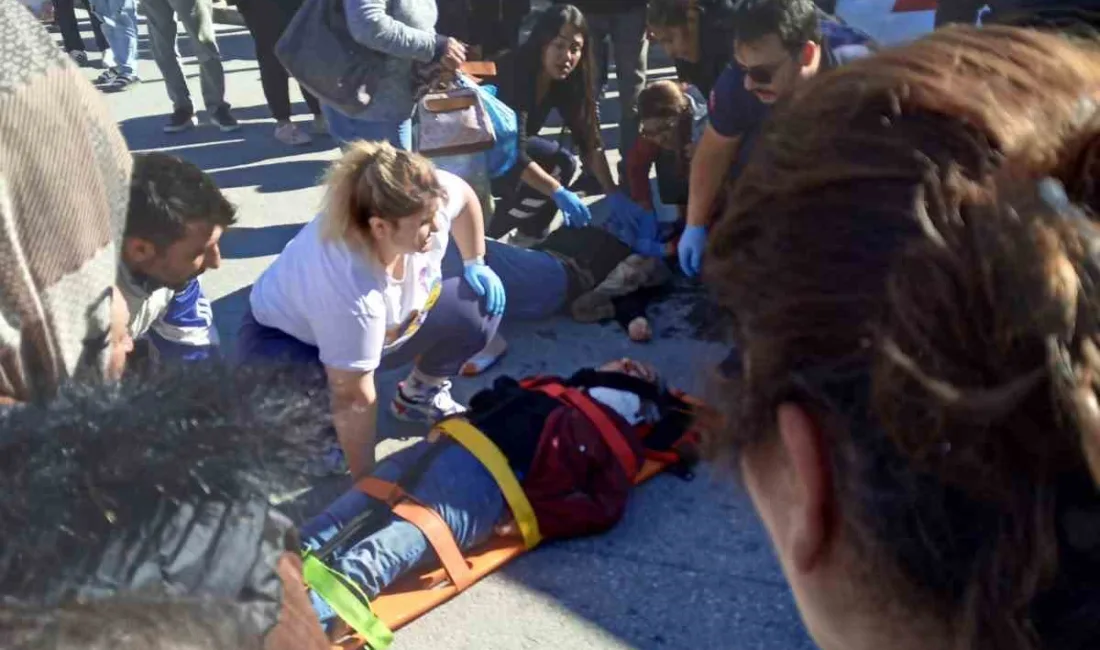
(106, 480)
(912, 256)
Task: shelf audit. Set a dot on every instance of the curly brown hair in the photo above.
(899, 265)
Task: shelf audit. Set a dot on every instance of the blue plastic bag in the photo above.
(504, 154)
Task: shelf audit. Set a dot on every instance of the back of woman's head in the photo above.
(375, 179)
(662, 100)
(898, 267)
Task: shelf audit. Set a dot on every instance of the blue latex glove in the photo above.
(485, 282)
(575, 211)
(690, 250)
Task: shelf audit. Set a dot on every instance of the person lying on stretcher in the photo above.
(576, 482)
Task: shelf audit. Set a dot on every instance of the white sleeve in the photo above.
(456, 189)
(349, 340)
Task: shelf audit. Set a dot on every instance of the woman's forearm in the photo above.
(537, 177)
(355, 416)
(357, 431)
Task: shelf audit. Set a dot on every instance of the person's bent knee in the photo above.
(567, 165)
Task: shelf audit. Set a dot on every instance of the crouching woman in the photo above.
(361, 288)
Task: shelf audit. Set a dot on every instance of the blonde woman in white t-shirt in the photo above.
(361, 288)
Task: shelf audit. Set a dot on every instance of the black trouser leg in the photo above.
(526, 208)
(266, 21)
(672, 180)
(65, 16)
(97, 28)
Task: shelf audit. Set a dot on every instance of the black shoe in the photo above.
(180, 120)
(120, 83)
(223, 119)
(79, 57)
(106, 78)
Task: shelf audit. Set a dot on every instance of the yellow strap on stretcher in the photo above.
(491, 457)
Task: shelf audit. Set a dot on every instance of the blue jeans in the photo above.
(346, 129)
(535, 282)
(455, 484)
(119, 18)
(456, 328)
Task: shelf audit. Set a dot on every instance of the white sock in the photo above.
(481, 361)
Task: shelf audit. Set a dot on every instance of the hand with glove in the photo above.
(692, 243)
(572, 208)
(634, 225)
(486, 283)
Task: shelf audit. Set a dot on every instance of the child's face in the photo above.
(660, 130)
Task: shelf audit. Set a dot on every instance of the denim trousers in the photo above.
(119, 25)
(455, 329)
(455, 484)
(346, 129)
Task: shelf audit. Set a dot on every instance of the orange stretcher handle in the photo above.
(429, 522)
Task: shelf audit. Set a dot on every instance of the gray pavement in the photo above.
(689, 567)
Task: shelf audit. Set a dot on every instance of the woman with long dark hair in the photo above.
(553, 70)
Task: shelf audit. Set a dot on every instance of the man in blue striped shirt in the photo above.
(175, 221)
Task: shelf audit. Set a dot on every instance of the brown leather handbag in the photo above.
(452, 120)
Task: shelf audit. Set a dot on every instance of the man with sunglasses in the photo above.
(777, 44)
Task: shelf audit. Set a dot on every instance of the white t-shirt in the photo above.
(342, 300)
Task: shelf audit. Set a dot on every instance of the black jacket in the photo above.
(517, 72)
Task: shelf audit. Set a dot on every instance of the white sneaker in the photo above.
(289, 134)
(434, 405)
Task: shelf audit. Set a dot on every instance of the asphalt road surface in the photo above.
(689, 567)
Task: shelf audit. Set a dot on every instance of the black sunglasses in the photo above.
(763, 74)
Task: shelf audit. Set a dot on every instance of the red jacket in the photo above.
(576, 484)
(639, 161)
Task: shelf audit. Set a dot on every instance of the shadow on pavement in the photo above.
(228, 311)
(243, 243)
(280, 176)
(147, 131)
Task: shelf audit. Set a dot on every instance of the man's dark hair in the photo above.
(168, 193)
(795, 22)
(676, 13)
(126, 624)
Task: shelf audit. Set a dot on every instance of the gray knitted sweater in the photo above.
(64, 185)
(405, 31)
